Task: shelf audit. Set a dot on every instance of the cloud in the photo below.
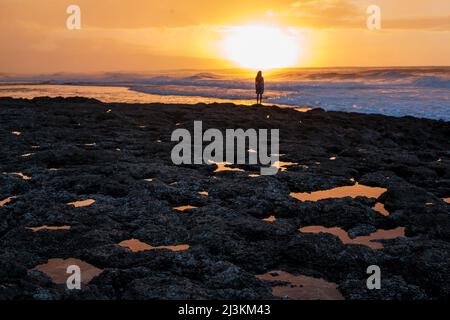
(419, 23)
(141, 14)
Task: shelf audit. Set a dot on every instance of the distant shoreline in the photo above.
(228, 104)
(418, 92)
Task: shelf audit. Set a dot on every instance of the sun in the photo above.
(261, 47)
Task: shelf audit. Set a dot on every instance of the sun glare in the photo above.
(262, 47)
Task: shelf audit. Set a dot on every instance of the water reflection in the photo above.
(56, 269)
(301, 287)
(27, 155)
(184, 208)
(90, 144)
(83, 203)
(17, 133)
(223, 167)
(6, 201)
(50, 228)
(447, 200)
(283, 166)
(21, 175)
(364, 240)
(139, 246)
(270, 219)
(204, 193)
(357, 190)
(379, 207)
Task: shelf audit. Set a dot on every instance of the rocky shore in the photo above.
(202, 234)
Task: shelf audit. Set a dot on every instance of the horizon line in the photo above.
(215, 69)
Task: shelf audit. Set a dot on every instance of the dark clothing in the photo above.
(259, 84)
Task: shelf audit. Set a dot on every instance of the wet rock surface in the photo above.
(121, 159)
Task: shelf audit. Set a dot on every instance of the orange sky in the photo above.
(141, 35)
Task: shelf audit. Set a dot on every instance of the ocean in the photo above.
(422, 92)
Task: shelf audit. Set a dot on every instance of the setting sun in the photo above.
(261, 47)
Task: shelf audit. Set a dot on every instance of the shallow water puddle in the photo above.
(357, 190)
(83, 203)
(302, 287)
(278, 154)
(254, 175)
(223, 167)
(6, 201)
(184, 208)
(17, 133)
(204, 193)
(21, 175)
(139, 246)
(363, 240)
(90, 144)
(379, 207)
(27, 155)
(56, 269)
(50, 228)
(283, 166)
(303, 109)
(270, 219)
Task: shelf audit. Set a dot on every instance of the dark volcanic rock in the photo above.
(361, 230)
(76, 150)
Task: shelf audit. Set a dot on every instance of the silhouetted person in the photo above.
(259, 84)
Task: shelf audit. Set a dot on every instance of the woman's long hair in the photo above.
(259, 75)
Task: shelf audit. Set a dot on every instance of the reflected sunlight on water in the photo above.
(379, 207)
(301, 287)
(6, 201)
(107, 94)
(49, 228)
(138, 246)
(270, 219)
(357, 190)
(184, 208)
(56, 269)
(83, 203)
(363, 240)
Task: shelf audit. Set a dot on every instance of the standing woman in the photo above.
(259, 83)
